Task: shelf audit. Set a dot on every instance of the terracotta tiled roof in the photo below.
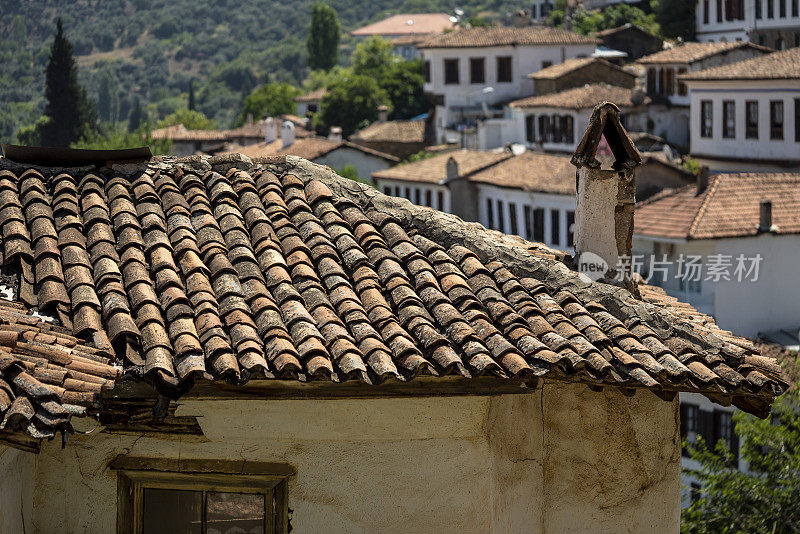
(729, 207)
(531, 171)
(312, 96)
(309, 148)
(412, 39)
(585, 97)
(624, 27)
(560, 69)
(434, 170)
(392, 131)
(781, 65)
(691, 52)
(223, 268)
(178, 132)
(507, 36)
(415, 23)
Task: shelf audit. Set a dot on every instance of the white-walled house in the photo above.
(746, 116)
(773, 23)
(309, 102)
(471, 73)
(407, 31)
(669, 110)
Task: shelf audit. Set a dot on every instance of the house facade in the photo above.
(772, 23)
(471, 73)
(408, 31)
(746, 116)
(309, 102)
(669, 113)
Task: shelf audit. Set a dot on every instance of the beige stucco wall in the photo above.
(17, 474)
(600, 463)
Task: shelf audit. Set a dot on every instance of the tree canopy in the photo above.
(323, 37)
(676, 18)
(192, 120)
(587, 22)
(268, 100)
(352, 103)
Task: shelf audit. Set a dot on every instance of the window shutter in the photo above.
(705, 426)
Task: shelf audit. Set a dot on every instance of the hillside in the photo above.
(153, 50)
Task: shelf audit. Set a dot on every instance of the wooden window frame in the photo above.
(477, 70)
(751, 119)
(776, 126)
(505, 60)
(134, 475)
(707, 119)
(729, 119)
(457, 71)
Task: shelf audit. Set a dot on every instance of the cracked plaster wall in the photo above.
(17, 475)
(602, 462)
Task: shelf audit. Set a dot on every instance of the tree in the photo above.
(107, 97)
(136, 116)
(111, 137)
(192, 104)
(374, 57)
(587, 22)
(676, 18)
(192, 120)
(764, 499)
(70, 112)
(268, 100)
(323, 37)
(352, 103)
(19, 32)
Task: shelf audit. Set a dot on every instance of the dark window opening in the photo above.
(797, 120)
(681, 86)
(501, 223)
(776, 119)
(530, 128)
(728, 119)
(706, 118)
(751, 119)
(555, 227)
(417, 193)
(489, 213)
(705, 11)
(651, 81)
(528, 221)
(719, 10)
(426, 71)
(570, 228)
(429, 198)
(477, 73)
(538, 225)
(758, 9)
(782, 8)
(451, 71)
(770, 9)
(546, 64)
(512, 219)
(440, 200)
(504, 69)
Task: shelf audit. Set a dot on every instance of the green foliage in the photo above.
(348, 171)
(587, 22)
(192, 120)
(19, 33)
(271, 100)
(352, 103)
(676, 18)
(31, 135)
(111, 137)
(136, 116)
(108, 97)
(419, 156)
(476, 21)
(70, 112)
(767, 497)
(691, 165)
(323, 37)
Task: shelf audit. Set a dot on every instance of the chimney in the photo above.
(765, 217)
(383, 113)
(249, 118)
(335, 134)
(287, 134)
(605, 197)
(270, 130)
(451, 169)
(702, 180)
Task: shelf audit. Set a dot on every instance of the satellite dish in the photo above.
(453, 20)
(458, 11)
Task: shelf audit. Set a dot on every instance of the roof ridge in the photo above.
(701, 211)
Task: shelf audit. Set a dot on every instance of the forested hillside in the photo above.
(152, 51)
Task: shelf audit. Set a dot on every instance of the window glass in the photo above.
(751, 116)
(168, 511)
(512, 218)
(729, 119)
(451, 71)
(706, 118)
(477, 73)
(555, 227)
(538, 225)
(235, 513)
(776, 119)
(504, 69)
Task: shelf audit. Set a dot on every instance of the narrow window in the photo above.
(501, 222)
(782, 9)
(570, 228)
(780, 44)
(670, 81)
(570, 129)
(426, 71)
(662, 81)
(758, 9)
(740, 9)
(429, 198)
(770, 9)
(451, 72)
(728, 119)
(417, 194)
(489, 214)
(477, 73)
(555, 227)
(795, 9)
(651, 81)
(705, 11)
(512, 219)
(504, 69)
(538, 225)
(440, 200)
(729, 9)
(408, 193)
(387, 190)
(751, 112)
(530, 128)
(797, 120)
(719, 10)
(776, 119)
(706, 118)
(528, 221)
(681, 85)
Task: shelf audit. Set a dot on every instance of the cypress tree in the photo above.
(192, 103)
(68, 108)
(323, 38)
(136, 116)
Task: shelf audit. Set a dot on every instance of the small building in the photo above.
(764, 22)
(578, 72)
(669, 111)
(407, 31)
(309, 102)
(634, 40)
(266, 346)
(471, 73)
(399, 138)
(745, 116)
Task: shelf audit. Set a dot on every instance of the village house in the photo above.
(471, 73)
(310, 102)
(745, 116)
(773, 23)
(669, 110)
(407, 31)
(332, 151)
(634, 40)
(400, 138)
(342, 360)
(577, 72)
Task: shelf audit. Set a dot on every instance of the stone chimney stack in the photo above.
(765, 217)
(287, 134)
(383, 113)
(335, 134)
(451, 169)
(702, 180)
(605, 197)
(270, 130)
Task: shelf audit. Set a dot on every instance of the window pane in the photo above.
(169, 511)
(235, 513)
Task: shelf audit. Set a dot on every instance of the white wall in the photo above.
(562, 459)
(409, 191)
(763, 148)
(740, 29)
(17, 479)
(365, 163)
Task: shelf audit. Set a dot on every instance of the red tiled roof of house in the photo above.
(507, 36)
(783, 65)
(392, 131)
(309, 148)
(415, 23)
(434, 170)
(584, 97)
(729, 207)
(312, 96)
(531, 171)
(210, 269)
(692, 52)
(560, 69)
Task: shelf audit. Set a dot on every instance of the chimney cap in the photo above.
(605, 122)
(765, 217)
